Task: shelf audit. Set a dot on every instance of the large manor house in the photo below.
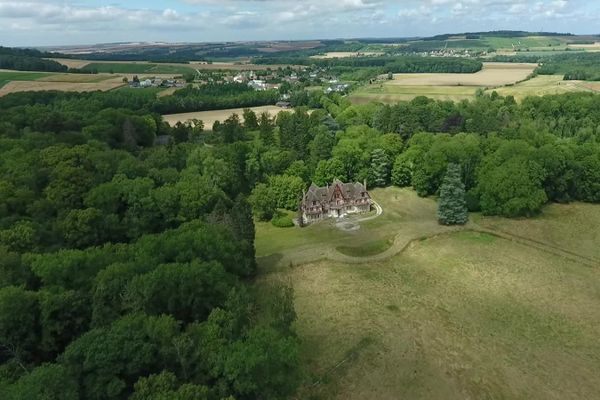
(334, 201)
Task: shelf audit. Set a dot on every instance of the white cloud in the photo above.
(32, 21)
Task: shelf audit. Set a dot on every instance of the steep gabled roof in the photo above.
(350, 191)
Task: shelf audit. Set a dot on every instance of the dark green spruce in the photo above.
(452, 207)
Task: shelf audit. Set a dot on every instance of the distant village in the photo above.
(282, 79)
(156, 83)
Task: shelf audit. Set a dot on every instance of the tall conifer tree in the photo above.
(452, 207)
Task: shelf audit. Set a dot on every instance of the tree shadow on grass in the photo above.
(268, 264)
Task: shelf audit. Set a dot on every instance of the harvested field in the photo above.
(595, 86)
(71, 63)
(591, 46)
(492, 74)
(209, 117)
(25, 86)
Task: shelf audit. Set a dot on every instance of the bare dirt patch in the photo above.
(209, 117)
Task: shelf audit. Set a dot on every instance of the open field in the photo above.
(393, 94)
(529, 42)
(543, 85)
(71, 63)
(347, 54)
(454, 315)
(36, 86)
(588, 47)
(209, 117)
(17, 81)
(6, 76)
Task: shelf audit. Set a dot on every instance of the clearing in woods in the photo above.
(210, 117)
(452, 314)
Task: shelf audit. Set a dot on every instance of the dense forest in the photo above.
(577, 66)
(125, 265)
(214, 97)
(408, 64)
(28, 60)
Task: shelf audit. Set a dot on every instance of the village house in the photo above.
(284, 104)
(258, 84)
(335, 201)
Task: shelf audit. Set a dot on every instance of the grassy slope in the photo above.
(459, 315)
(538, 86)
(7, 76)
(395, 93)
(541, 85)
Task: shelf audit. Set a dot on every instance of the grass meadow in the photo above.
(450, 315)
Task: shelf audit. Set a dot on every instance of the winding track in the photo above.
(409, 235)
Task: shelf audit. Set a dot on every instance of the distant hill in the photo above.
(476, 35)
(28, 60)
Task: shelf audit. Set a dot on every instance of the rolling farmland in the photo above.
(16, 81)
(504, 78)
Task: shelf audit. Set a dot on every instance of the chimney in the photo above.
(365, 183)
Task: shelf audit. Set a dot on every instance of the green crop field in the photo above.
(395, 93)
(22, 76)
(7, 76)
(523, 42)
(507, 313)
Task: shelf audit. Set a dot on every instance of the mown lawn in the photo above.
(404, 214)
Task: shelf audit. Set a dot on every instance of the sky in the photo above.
(69, 22)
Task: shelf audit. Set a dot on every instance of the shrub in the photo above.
(282, 221)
